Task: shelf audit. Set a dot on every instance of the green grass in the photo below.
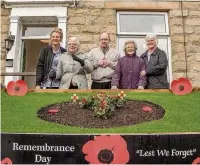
(18, 114)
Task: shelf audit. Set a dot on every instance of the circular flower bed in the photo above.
(102, 111)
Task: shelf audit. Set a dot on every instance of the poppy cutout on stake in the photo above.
(18, 88)
(53, 111)
(6, 161)
(196, 161)
(181, 86)
(147, 109)
(106, 149)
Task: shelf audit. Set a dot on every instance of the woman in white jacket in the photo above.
(73, 67)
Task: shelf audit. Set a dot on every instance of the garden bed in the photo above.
(19, 114)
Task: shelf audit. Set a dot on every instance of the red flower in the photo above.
(18, 88)
(6, 161)
(196, 161)
(147, 109)
(181, 86)
(106, 149)
(84, 100)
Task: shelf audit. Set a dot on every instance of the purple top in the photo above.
(127, 73)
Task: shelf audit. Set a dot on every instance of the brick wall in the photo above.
(4, 34)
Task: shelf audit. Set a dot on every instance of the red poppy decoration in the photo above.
(106, 150)
(147, 109)
(6, 161)
(18, 88)
(181, 86)
(196, 161)
(53, 111)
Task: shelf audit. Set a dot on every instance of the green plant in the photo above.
(103, 105)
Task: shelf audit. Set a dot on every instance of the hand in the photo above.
(37, 87)
(114, 87)
(142, 73)
(140, 88)
(100, 62)
(106, 63)
(52, 75)
(76, 58)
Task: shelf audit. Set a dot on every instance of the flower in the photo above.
(84, 101)
(18, 88)
(147, 109)
(106, 149)
(74, 98)
(196, 161)
(6, 161)
(122, 94)
(181, 86)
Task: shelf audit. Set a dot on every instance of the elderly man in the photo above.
(73, 66)
(156, 64)
(104, 60)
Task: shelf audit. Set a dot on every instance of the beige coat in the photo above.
(69, 70)
(101, 74)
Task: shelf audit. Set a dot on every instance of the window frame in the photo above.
(142, 13)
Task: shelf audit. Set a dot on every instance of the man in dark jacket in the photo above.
(48, 60)
(156, 65)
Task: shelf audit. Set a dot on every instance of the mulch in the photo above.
(71, 114)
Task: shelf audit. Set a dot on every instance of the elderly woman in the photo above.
(127, 71)
(156, 64)
(73, 66)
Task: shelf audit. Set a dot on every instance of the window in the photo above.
(136, 25)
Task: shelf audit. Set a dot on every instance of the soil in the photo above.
(71, 114)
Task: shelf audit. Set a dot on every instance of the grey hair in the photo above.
(151, 36)
(129, 42)
(75, 39)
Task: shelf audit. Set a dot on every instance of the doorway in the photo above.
(31, 49)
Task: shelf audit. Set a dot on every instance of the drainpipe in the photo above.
(184, 42)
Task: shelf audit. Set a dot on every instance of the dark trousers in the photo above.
(101, 85)
(52, 87)
(73, 87)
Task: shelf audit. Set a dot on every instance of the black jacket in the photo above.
(44, 63)
(156, 69)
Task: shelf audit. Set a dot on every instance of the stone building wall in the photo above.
(88, 20)
(185, 25)
(4, 34)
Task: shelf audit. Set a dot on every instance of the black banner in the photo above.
(108, 149)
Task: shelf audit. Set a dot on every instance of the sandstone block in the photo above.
(177, 48)
(189, 29)
(192, 21)
(96, 12)
(76, 20)
(86, 38)
(94, 4)
(176, 21)
(73, 29)
(176, 30)
(106, 21)
(194, 13)
(179, 67)
(197, 57)
(90, 29)
(178, 75)
(197, 30)
(5, 20)
(109, 12)
(177, 38)
(90, 20)
(191, 5)
(111, 29)
(5, 12)
(192, 48)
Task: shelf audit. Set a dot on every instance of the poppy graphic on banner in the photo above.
(6, 161)
(181, 86)
(18, 88)
(196, 161)
(106, 150)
